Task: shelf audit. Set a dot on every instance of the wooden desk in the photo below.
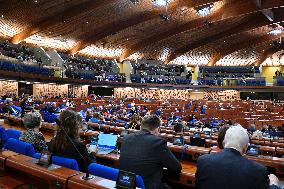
(4, 154)
(76, 182)
(273, 162)
(186, 178)
(56, 178)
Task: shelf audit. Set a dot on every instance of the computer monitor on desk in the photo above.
(106, 143)
(196, 140)
(253, 150)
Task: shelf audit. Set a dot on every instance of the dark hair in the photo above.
(178, 128)
(221, 135)
(69, 123)
(151, 122)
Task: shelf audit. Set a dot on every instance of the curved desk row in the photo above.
(19, 169)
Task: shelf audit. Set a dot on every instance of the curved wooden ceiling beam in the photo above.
(119, 25)
(268, 53)
(255, 20)
(229, 11)
(252, 41)
(69, 12)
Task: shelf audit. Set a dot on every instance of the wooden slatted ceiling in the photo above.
(117, 28)
(276, 59)
(229, 10)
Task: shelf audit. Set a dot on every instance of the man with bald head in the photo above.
(229, 169)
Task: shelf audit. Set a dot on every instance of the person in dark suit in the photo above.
(67, 142)
(229, 169)
(146, 154)
(8, 108)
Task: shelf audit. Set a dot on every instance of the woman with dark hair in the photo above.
(32, 122)
(220, 139)
(66, 142)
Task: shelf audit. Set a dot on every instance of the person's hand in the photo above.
(273, 180)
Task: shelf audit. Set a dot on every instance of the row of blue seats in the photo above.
(239, 82)
(230, 69)
(10, 141)
(10, 66)
(49, 117)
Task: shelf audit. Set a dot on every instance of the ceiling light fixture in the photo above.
(135, 2)
(276, 32)
(161, 3)
(204, 10)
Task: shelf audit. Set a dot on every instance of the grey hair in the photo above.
(32, 120)
(236, 137)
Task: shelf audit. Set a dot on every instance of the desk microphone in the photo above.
(87, 176)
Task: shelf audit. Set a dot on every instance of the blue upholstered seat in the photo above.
(62, 161)
(3, 136)
(111, 173)
(20, 147)
(13, 133)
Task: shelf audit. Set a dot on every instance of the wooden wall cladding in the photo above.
(157, 94)
(222, 95)
(8, 87)
(49, 90)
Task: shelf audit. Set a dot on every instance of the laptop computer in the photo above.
(106, 143)
(178, 140)
(253, 150)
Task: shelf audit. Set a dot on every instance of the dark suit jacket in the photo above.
(8, 109)
(71, 152)
(228, 169)
(145, 154)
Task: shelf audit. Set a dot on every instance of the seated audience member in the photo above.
(257, 135)
(32, 122)
(67, 142)
(220, 139)
(8, 107)
(229, 169)
(96, 118)
(178, 128)
(251, 129)
(52, 108)
(135, 122)
(88, 115)
(152, 155)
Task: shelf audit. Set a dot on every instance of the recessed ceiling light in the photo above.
(2, 16)
(161, 2)
(204, 10)
(87, 22)
(276, 32)
(36, 1)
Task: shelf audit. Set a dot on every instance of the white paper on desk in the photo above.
(106, 183)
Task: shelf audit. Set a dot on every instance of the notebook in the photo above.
(106, 143)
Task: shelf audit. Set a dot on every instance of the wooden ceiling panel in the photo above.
(119, 29)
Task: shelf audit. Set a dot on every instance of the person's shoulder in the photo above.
(207, 157)
(259, 168)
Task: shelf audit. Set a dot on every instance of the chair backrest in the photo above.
(111, 173)
(3, 136)
(62, 161)
(20, 147)
(13, 133)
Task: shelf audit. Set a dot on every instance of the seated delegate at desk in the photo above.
(146, 154)
(9, 108)
(32, 122)
(229, 169)
(68, 129)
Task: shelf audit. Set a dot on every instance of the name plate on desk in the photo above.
(49, 167)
